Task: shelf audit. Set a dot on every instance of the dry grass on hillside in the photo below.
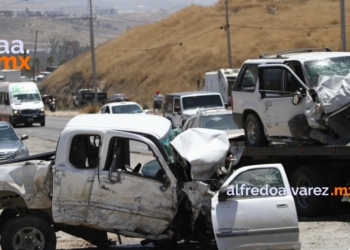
(178, 68)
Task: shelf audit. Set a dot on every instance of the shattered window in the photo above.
(326, 67)
(268, 181)
(134, 157)
(84, 151)
(166, 142)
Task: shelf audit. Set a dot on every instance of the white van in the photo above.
(20, 102)
(221, 81)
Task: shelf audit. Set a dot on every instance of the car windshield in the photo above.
(7, 133)
(327, 67)
(220, 122)
(126, 109)
(202, 101)
(28, 97)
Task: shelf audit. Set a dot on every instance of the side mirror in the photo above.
(7, 102)
(226, 193)
(24, 137)
(297, 98)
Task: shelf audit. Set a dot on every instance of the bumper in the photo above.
(28, 118)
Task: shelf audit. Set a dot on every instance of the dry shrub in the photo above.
(334, 22)
(90, 109)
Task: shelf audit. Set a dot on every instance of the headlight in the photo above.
(21, 152)
(16, 111)
(42, 110)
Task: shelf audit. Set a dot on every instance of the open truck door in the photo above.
(254, 209)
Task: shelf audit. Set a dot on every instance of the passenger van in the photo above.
(21, 103)
(178, 107)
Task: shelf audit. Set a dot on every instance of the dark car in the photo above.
(118, 98)
(10, 145)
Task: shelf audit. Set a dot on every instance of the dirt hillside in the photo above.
(191, 42)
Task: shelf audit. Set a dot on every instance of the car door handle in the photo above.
(91, 179)
(281, 205)
(267, 104)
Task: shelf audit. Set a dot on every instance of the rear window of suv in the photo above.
(202, 101)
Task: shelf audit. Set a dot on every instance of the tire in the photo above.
(5, 216)
(11, 122)
(42, 124)
(43, 235)
(309, 206)
(254, 132)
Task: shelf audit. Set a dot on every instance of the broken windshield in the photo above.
(326, 67)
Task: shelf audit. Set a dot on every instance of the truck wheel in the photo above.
(11, 122)
(28, 232)
(254, 132)
(303, 179)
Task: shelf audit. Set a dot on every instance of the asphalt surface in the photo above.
(51, 131)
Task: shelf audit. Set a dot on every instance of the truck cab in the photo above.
(178, 107)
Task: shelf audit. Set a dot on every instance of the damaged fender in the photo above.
(29, 181)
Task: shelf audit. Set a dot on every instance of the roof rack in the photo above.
(282, 52)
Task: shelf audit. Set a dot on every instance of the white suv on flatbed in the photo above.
(272, 93)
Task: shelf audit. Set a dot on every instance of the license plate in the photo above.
(30, 119)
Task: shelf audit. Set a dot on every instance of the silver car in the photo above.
(11, 145)
(219, 119)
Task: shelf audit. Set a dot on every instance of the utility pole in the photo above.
(343, 27)
(34, 58)
(92, 44)
(228, 37)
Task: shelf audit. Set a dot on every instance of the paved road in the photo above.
(51, 131)
(54, 127)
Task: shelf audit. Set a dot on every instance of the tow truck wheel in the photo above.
(254, 131)
(28, 232)
(306, 202)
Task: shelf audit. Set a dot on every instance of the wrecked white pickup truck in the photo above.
(297, 96)
(96, 182)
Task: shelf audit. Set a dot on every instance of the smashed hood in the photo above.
(333, 92)
(205, 149)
